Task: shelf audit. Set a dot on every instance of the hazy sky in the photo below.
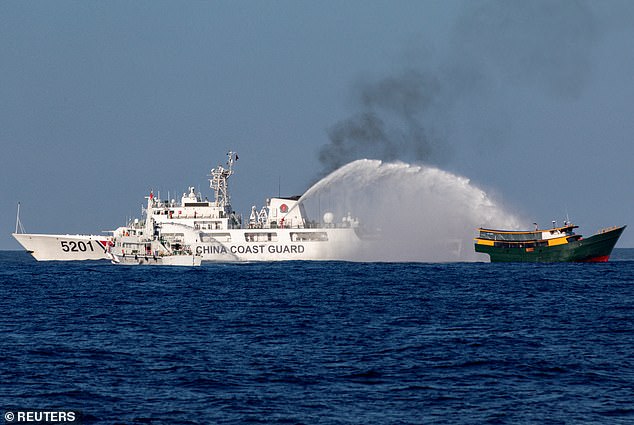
(101, 101)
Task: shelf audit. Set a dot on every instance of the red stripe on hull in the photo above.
(599, 259)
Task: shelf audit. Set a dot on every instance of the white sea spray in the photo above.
(421, 213)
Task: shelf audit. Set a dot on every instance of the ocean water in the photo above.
(320, 343)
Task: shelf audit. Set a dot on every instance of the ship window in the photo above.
(309, 236)
(217, 237)
(132, 245)
(202, 225)
(261, 237)
(207, 225)
(172, 236)
(511, 237)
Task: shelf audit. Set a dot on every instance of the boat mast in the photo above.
(18, 223)
(219, 181)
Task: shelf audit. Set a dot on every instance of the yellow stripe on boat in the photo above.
(557, 241)
(485, 242)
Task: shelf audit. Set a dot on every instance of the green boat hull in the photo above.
(596, 248)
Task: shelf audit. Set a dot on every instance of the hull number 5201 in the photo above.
(73, 246)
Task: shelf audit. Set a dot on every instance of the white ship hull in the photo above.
(45, 247)
(150, 260)
(284, 245)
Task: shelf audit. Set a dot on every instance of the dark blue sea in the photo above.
(320, 343)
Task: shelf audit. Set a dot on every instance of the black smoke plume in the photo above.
(540, 45)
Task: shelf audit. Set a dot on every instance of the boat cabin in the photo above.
(527, 238)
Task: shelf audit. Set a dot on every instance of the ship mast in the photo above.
(18, 223)
(219, 182)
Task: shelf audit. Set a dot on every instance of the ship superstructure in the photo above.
(279, 230)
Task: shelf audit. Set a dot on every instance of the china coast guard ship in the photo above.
(211, 230)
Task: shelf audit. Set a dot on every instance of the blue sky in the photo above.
(103, 101)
